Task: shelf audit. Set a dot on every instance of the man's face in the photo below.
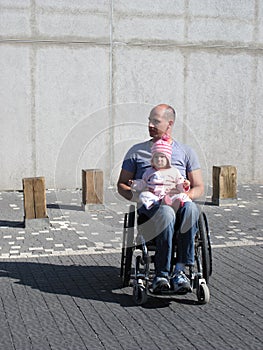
(157, 126)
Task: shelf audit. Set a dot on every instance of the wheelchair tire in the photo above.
(203, 248)
(209, 244)
(127, 246)
(203, 294)
(139, 294)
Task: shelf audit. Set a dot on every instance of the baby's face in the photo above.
(159, 161)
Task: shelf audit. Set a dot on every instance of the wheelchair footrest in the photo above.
(168, 292)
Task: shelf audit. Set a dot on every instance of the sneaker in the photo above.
(181, 284)
(160, 284)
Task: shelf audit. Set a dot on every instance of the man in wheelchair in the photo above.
(161, 215)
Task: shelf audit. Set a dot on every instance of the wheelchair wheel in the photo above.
(209, 244)
(203, 249)
(203, 293)
(139, 293)
(127, 246)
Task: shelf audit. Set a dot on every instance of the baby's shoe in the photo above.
(167, 200)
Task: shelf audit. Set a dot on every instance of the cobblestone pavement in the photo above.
(60, 287)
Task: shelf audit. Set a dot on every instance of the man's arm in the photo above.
(123, 188)
(197, 185)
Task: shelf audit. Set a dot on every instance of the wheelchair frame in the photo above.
(140, 276)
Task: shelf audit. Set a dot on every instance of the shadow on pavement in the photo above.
(9, 223)
(65, 207)
(100, 283)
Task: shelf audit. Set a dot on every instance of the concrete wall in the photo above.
(78, 79)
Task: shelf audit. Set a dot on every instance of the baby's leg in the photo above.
(177, 202)
(148, 199)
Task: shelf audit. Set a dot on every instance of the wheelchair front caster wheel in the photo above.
(203, 294)
(139, 294)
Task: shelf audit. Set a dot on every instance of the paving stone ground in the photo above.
(60, 286)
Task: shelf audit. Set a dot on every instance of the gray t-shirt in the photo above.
(138, 158)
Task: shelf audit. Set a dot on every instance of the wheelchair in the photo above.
(137, 259)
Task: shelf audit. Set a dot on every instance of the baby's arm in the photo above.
(137, 185)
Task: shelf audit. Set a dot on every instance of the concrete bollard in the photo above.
(35, 208)
(224, 185)
(92, 189)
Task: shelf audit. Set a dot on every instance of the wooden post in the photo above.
(224, 184)
(35, 201)
(92, 188)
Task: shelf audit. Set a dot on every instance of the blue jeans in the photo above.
(162, 222)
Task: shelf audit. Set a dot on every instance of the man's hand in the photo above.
(186, 185)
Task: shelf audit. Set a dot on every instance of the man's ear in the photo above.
(171, 123)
